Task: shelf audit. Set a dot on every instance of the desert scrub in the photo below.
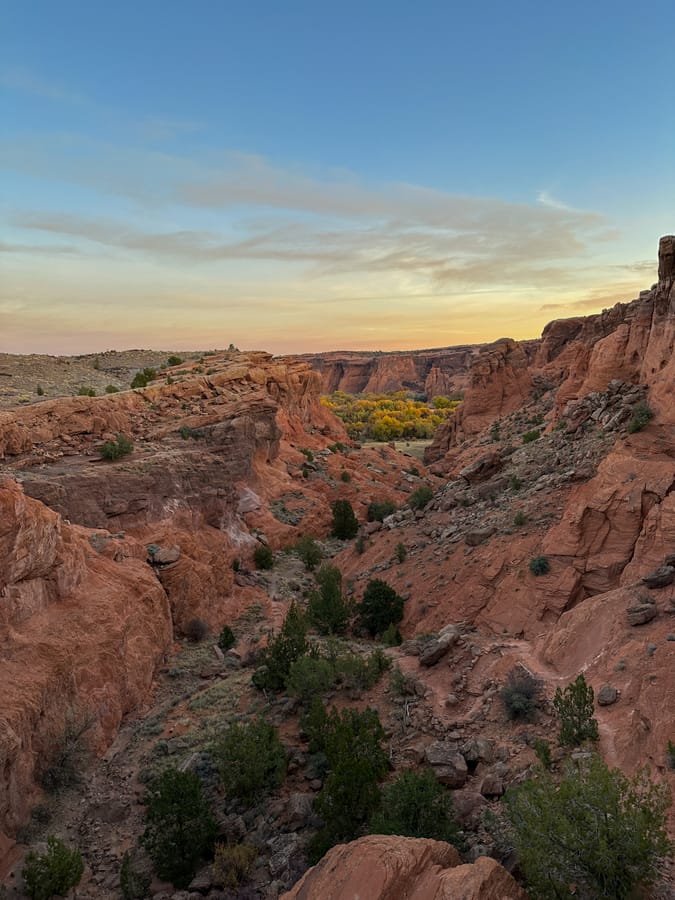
(113, 450)
(251, 760)
(53, 872)
(540, 565)
(522, 694)
(532, 435)
(642, 415)
(263, 557)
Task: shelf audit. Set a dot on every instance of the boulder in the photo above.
(434, 650)
(447, 762)
(659, 578)
(607, 695)
(492, 785)
(379, 867)
(641, 612)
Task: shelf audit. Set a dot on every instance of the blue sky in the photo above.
(300, 176)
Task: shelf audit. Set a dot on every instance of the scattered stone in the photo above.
(478, 536)
(492, 785)
(435, 649)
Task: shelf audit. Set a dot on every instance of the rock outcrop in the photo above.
(398, 868)
(81, 633)
(430, 372)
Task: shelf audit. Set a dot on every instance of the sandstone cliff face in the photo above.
(429, 372)
(81, 633)
(398, 868)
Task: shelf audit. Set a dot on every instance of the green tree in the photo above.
(310, 676)
(327, 608)
(54, 872)
(226, 638)
(595, 829)
(309, 552)
(575, 708)
(251, 760)
(380, 607)
(352, 743)
(345, 524)
(416, 805)
(277, 658)
(180, 828)
(380, 509)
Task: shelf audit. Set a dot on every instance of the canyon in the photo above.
(107, 564)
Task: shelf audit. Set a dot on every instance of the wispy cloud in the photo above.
(27, 82)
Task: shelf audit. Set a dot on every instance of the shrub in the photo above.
(401, 552)
(309, 676)
(515, 483)
(134, 885)
(277, 658)
(642, 415)
(671, 755)
(353, 671)
(309, 456)
(251, 760)
(309, 552)
(39, 390)
(595, 829)
(532, 435)
(232, 863)
(174, 361)
(360, 544)
(345, 476)
(416, 805)
(391, 636)
(111, 389)
(327, 608)
(543, 750)
(86, 392)
(540, 565)
(141, 379)
(420, 497)
(55, 871)
(113, 450)
(226, 639)
(575, 709)
(381, 607)
(380, 509)
(180, 828)
(263, 557)
(196, 630)
(518, 520)
(345, 524)
(522, 694)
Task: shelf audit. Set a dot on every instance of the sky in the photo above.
(305, 176)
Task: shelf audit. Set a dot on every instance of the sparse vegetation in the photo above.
(345, 524)
(543, 750)
(111, 389)
(345, 476)
(532, 435)
(196, 630)
(380, 509)
(594, 829)
(174, 361)
(327, 608)
(519, 519)
(642, 416)
(540, 565)
(134, 884)
(521, 694)
(113, 450)
(416, 805)
(401, 552)
(263, 557)
(671, 755)
(391, 636)
(232, 864)
(380, 607)
(309, 552)
(251, 760)
(421, 497)
(142, 378)
(575, 709)
(277, 658)
(86, 392)
(226, 639)
(180, 828)
(39, 390)
(55, 871)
